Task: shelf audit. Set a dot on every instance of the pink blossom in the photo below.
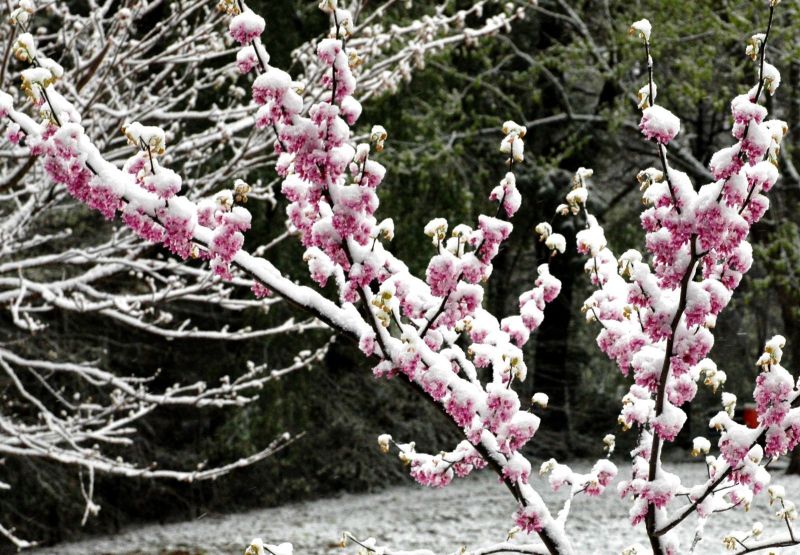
(409, 363)
(143, 225)
(434, 387)
(178, 234)
(428, 475)
(246, 59)
(442, 274)
(772, 394)
(494, 232)
(726, 162)
(657, 493)
(502, 403)
(462, 411)
(260, 290)
(528, 519)
(777, 442)
(246, 27)
(367, 344)
(733, 451)
(660, 124)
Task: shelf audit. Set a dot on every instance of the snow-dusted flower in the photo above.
(540, 400)
(776, 493)
(384, 442)
(378, 136)
(543, 230)
(642, 29)
(700, 446)
(757, 530)
(246, 27)
(556, 242)
(788, 511)
(771, 77)
(729, 402)
(513, 144)
(659, 124)
(610, 442)
(328, 6)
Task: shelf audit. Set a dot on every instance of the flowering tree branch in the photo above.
(107, 78)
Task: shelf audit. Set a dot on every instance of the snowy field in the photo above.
(416, 517)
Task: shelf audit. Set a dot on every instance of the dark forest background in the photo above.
(572, 78)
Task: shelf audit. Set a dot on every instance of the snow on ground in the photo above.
(475, 511)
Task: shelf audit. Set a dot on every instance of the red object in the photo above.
(750, 417)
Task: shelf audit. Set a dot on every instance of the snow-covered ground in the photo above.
(471, 512)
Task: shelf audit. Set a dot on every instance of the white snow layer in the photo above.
(475, 511)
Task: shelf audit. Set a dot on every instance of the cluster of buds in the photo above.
(735, 540)
(22, 13)
(771, 77)
(626, 262)
(344, 21)
(224, 200)
(383, 303)
(576, 198)
(754, 43)
(788, 511)
(729, 403)
(229, 7)
(385, 229)
(353, 59)
(37, 79)
(641, 29)
(512, 144)
(714, 378)
(644, 96)
(515, 367)
(587, 309)
(610, 442)
(648, 177)
(24, 48)
(240, 191)
(362, 153)
(384, 443)
(378, 136)
(146, 137)
(405, 451)
(436, 229)
(547, 467)
(778, 131)
(776, 493)
(553, 241)
(773, 352)
(731, 541)
(540, 400)
(700, 446)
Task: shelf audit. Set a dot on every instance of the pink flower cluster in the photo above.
(246, 27)
(64, 164)
(438, 471)
(246, 59)
(227, 239)
(660, 124)
(528, 519)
